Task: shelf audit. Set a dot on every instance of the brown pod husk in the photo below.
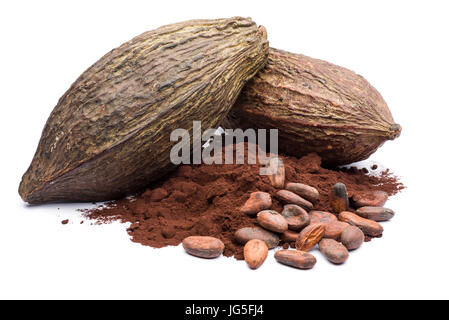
(109, 134)
(317, 107)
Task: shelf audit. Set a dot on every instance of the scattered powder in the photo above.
(205, 199)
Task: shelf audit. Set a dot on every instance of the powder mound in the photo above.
(205, 199)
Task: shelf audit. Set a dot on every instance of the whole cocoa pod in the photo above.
(317, 107)
(109, 134)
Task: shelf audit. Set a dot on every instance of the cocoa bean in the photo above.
(272, 220)
(321, 217)
(203, 247)
(375, 213)
(255, 252)
(352, 237)
(334, 251)
(369, 227)
(370, 199)
(297, 218)
(338, 198)
(257, 202)
(289, 236)
(109, 134)
(243, 235)
(317, 107)
(295, 258)
(289, 197)
(334, 229)
(277, 179)
(309, 237)
(307, 192)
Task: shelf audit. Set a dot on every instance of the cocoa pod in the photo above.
(334, 251)
(246, 234)
(307, 192)
(321, 217)
(297, 218)
(255, 252)
(369, 227)
(277, 178)
(295, 258)
(289, 197)
(309, 237)
(334, 229)
(272, 220)
(370, 199)
(203, 247)
(317, 107)
(109, 134)
(338, 198)
(352, 237)
(375, 213)
(257, 202)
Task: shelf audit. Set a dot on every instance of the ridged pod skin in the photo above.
(317, 107)
(109, 134)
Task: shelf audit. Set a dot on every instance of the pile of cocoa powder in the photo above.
(205, 199)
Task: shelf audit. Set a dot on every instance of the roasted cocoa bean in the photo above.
(352, 237)
(334, 251)
(297, 218)
(277, 178)
(307, 192)
(289, 197)
(338, 198)
(309, 237)
(255, 252)
(334, 229)
(289, 236)
(272, 220)
(370, 199)
(375, 213)
(203, 247)
(321, 217)
(243, 235)
(295, 258)
(369, 227)
(257, 202)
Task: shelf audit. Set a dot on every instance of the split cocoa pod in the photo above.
(317, 107)
(109, 134)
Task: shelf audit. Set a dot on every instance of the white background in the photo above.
(401, 47)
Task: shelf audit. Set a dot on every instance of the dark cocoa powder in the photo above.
(205, 200)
